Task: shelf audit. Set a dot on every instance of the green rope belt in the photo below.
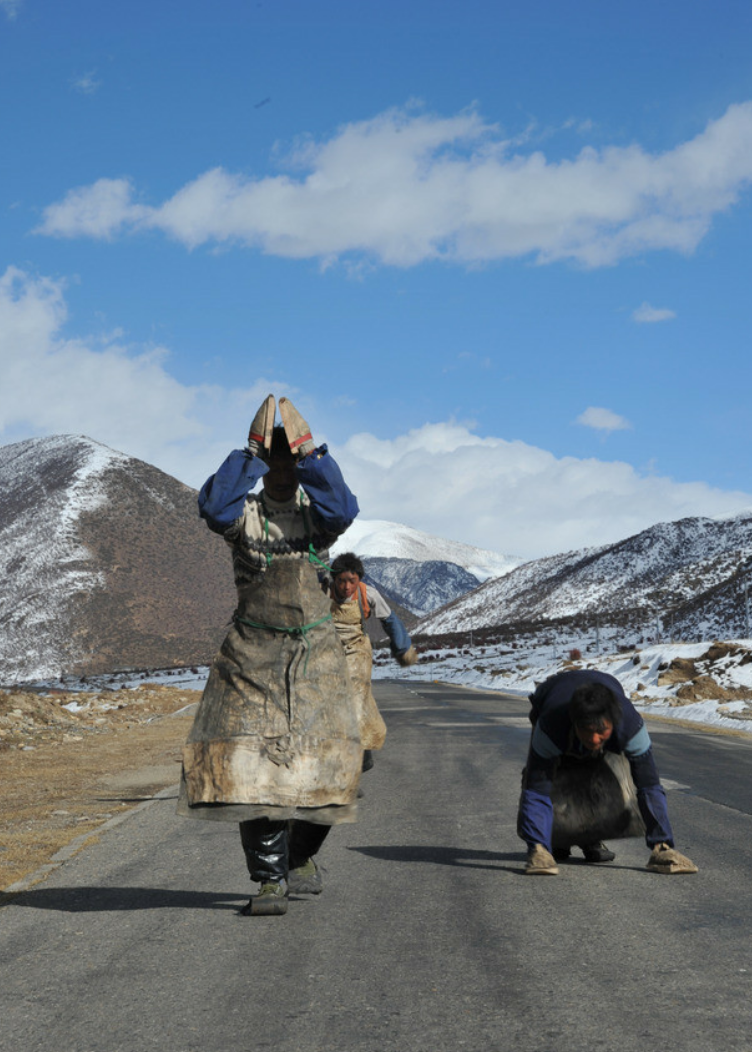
(298, 630)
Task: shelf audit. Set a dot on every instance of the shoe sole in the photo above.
(296, 428)
(264, 439)
(263, 908)
(309, 886)
(672, 869)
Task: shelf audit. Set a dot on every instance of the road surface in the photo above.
(427, 938)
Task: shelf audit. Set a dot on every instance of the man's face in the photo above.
(345, 585)
(594, 738)
(281, 480)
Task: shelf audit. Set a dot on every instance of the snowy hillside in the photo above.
(104, 563)
(689, 575)
(46, 485)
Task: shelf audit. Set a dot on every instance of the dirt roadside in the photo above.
(71, 762)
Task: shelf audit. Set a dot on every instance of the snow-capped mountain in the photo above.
(104, 564)
(376, 539)
(416, 570)
(689, 576)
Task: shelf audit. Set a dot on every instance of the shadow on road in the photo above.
(93, 900)
(444, 856)
(469, 859)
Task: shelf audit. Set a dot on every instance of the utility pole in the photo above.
(746, 612)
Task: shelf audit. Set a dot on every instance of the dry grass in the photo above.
(64, 774)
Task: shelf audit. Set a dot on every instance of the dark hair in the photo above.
(348, 562)
(280, 446)
(593, 705)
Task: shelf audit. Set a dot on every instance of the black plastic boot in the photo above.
(265, 844)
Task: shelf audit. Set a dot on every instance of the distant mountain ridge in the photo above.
(419, 586)
(688, 576)
(105, 565)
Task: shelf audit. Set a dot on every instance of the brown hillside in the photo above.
(169, 592)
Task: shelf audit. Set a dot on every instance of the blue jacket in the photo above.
(553, 737)
(223, 495)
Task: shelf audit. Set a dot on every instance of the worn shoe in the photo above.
(410, 657)
(297, 430)
(540, 862)
(306, 879)
(271, 901)
(260, 435)
(597, 852)
(665, 859)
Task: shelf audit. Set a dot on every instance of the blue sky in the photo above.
(499, 258)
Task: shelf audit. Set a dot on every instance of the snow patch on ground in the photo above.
(519, 671)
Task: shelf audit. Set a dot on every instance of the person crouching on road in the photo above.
(352, 603)
(580, 715)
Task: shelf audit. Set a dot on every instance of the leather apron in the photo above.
(276, 734)
(348, 621)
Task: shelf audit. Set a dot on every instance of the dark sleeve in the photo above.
(222, 496)
(332, 503)
(540, 694)
(399, 640)
(644, 771)
(651, 799)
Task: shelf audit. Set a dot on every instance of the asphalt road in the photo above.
(428, 937)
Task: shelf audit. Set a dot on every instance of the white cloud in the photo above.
(403, 188)
(10, 7)
(511, 497)
(500, 495)
(645, 314)
(87, 83)
(100, 211)
(101, 387)
(602, 420)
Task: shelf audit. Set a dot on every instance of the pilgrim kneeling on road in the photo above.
(589, 753)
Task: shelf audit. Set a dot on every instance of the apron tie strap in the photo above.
(298, 630)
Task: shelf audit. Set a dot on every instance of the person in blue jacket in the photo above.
(275, 744)
(579, 715)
